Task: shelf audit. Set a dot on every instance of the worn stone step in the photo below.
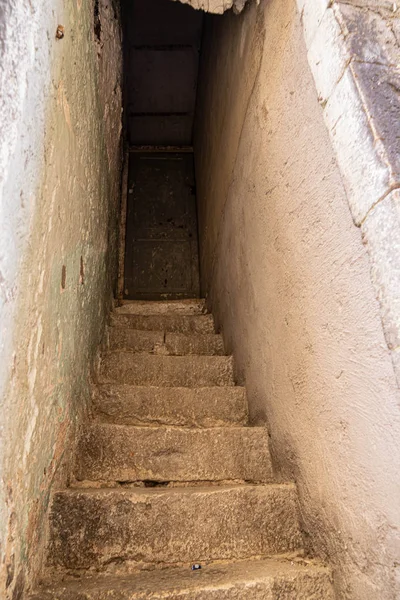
(155, 370)
(136, 340)
(177, 344)
(99, 529)
(269, 579)
(146, 307)
(190, 407)
(182, 344)
(124, 453)
(173, 323)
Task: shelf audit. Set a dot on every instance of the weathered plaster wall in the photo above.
(60, 108)
(354, 55)
(289, 280)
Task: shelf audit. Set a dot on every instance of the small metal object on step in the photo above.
(196, 567)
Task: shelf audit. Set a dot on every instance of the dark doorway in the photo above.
(161, 57)
(161, 256)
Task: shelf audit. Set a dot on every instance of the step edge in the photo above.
(107, 353)
(258, 428)
(183, 490)
(183, 334)
(167, 314)
(287, 562)
(239, 388)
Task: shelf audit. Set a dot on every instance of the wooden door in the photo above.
(161, 257)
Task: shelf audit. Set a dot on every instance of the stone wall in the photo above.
(354, 55)
(60, 110)
(288, 278)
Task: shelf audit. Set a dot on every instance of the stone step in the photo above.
(181, 344)
(173, 323)
(99, 529)
(155, 370)
(123, 453)
(190, 407)
(177, 344)
(146, 307)
(269, 579)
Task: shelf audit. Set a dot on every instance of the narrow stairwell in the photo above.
(169, 474)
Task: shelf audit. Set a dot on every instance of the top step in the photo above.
(177, 307)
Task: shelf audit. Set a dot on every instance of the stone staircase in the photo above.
(168, 474)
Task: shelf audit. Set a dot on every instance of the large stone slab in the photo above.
(244, 580)
(151, 369)
(124, 453)
(177, 344)
(147, 307)
(175, 323)
(100, 528)
(195, 407)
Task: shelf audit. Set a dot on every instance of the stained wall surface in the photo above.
(60, 120)
(287, 277)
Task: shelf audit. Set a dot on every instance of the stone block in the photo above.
(370, 36)
(98, 528)
(148, 307)
(360, 155)
(121, 453)
(177, 344)
(328, 55)
(154, 370)
(379, 87)
(311, 12)
(190, 407)
(173, 323)
(384, 7)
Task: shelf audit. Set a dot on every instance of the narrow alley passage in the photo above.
(161, 243)
(199, 275)
(172, 492)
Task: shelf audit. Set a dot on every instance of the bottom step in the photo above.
(247, 580)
